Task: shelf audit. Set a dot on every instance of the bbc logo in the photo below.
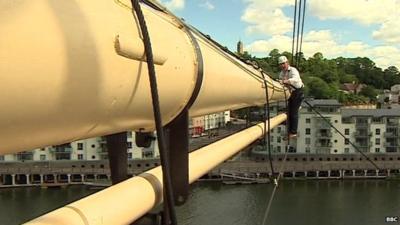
(392, 219)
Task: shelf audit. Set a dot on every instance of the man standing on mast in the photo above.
(290, 77)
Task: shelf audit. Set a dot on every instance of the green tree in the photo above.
(369, 92)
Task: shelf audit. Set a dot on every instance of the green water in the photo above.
(349, 202)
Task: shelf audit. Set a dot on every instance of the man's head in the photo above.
(283, 62)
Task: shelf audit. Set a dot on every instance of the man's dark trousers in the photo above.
(294, 102)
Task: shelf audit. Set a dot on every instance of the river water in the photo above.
(348, 202)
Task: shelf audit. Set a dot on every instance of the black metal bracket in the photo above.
(177, 136)
(117, 156)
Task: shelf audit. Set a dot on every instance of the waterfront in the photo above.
(328, 202)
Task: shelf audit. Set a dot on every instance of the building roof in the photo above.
(321, 102)
(352, 87)
(370, 112)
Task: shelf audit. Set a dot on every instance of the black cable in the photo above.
(294, 28)
(351, 143)
(157, 115)
(276, 180)
(302, 27)
(298, 34)
(267, 115)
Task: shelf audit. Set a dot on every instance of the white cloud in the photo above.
(173, 4)
(366, 12)
(389, 31)
(268, 18)
(363, 11)
(325, 42)
(207, 5)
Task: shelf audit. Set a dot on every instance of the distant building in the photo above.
(96, 148)
(371, 130)
(199, 125)
(352, 88)
(390, 98)
(88, 149)
(239, 48)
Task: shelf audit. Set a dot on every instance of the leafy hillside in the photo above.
(324, 77)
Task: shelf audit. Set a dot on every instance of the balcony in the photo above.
(22, 156)
(102, 140)
(323, 150)
(362, 134)
(390, 135)
(103, 149)
(391, 144)
(322, 124)
(392, 123)
(363, 144)
(65, 148)
(323, 145)
(363, 149)
(392, 149)
(362, 125)
(327, 135)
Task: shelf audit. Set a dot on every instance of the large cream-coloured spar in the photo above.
(125, 202)
(74, 69)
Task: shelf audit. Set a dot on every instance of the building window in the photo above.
(129, 133)
(347, 131)
(308, 120)
(377, 131)
(80, 156)
(377, 120)
(307, 149)
(129, 155)
(1, 157)
(308, 141)
(346, 150)
(80, 146)
(129, 144)
(308, 131)
(278, 148)
(42, 157)
(377, 141)
(377, 149)
(279, 129)
(272, 138)
(278, 139)
(346, 141)
(42, 149)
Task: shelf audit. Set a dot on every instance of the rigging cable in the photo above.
(298, 34)
(267, 115)
(169, 207)
(276, 180)
(341, 134)
(294, 28)
(302, 27)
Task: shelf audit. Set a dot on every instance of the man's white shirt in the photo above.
(293, 76)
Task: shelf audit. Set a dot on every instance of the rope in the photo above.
(341, 134)
(298, 34)
(302, 24)
(294, 27)
(267, 114)
(276, 180)
(168, 193)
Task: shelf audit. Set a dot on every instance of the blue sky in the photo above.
(349, 28)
